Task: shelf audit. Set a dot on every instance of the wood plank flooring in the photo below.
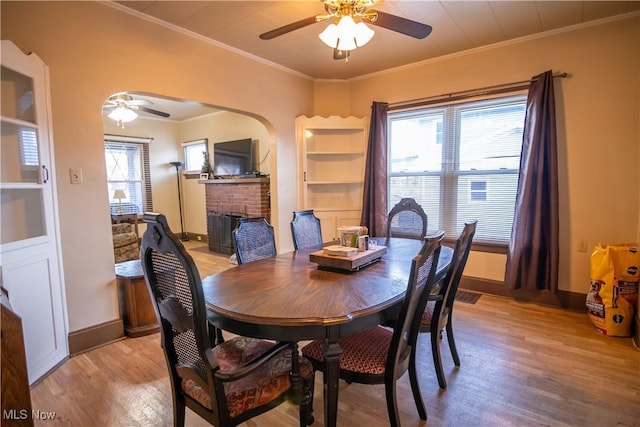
(522, 365)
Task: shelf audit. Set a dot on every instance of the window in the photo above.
(194, 154)
(478, 191)
(128, 170)
(28, 147)
(460, 162)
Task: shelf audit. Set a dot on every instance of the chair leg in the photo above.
(452, 344)
(178, 411)
(436, 337)
(392, 404)
(415, 385)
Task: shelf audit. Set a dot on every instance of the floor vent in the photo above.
(467, 297)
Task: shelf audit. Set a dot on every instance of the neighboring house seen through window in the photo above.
(460, 162)
(128, 170)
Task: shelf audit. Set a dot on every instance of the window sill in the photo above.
(491, 248)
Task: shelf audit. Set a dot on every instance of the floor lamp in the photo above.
(183, 237)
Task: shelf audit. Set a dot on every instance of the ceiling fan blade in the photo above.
(139, 102)
(341, 54)
(290, 27)
(401, 25)
(152, 111)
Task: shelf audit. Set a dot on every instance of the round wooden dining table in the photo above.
(290, 298)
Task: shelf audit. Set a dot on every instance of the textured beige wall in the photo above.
(220, 127)
(597, 111)
(92, 51)
(332, 98)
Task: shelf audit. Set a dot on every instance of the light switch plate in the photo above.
(75, 175)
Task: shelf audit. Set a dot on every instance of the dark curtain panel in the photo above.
(532, 259)
(374, 203)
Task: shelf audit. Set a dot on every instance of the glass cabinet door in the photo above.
(21, 174)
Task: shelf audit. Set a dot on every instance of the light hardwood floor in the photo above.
(522, 365)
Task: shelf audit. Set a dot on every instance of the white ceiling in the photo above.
(457, 26)
(178, 109)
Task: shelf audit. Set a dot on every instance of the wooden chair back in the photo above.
(407, 219)
(217, 379)
(178, 300)
(405, 331)
(253, 239)
(306, 230)
(438, 313)
(380, 356)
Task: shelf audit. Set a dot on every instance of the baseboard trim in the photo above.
(95, 336)
(563, 299)
(195, 237)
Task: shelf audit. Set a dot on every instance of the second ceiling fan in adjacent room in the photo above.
(123, 108)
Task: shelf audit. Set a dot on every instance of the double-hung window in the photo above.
(460, 162)
(127, 163)
(194, 153)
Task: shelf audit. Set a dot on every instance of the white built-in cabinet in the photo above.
(30, 258)
(332, 161)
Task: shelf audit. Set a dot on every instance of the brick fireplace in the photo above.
(230, 199)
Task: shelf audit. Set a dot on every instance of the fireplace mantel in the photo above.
(233, 180)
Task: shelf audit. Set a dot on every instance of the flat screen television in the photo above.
(233, 157)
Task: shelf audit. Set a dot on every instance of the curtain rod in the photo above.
(455, 96)
(124, 138)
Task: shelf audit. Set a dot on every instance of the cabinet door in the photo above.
(30, 265)
(330, 221)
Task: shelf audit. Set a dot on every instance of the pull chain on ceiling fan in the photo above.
(349, 31)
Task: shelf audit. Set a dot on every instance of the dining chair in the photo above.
(253, 239)
(407, 219)
(305, 229)
(438, 313)
(225, 383)
(380, 355)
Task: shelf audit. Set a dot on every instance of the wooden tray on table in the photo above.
(347, 263)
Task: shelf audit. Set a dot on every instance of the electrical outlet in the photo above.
(199, 237)
(582, 246)
(75, 176)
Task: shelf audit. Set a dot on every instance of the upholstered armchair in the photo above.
(125, 242)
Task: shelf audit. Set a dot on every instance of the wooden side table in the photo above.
(135, 304)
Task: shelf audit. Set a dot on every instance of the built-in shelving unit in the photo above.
(332, 158)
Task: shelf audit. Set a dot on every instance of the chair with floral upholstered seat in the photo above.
(224, 382)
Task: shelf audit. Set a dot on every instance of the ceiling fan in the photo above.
(127, 102)
(357, 14)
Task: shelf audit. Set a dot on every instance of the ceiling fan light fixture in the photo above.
(346, 35)
(122, 114)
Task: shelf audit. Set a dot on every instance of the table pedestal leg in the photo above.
(294, 375)
(332, 352)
